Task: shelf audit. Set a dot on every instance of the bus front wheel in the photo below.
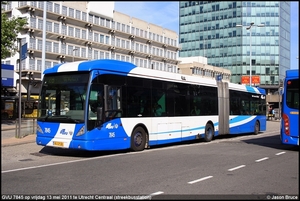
(138, 139)
(209, 133)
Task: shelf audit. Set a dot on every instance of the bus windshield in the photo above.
(63, 97)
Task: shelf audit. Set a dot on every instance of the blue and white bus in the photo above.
(289, 128)
(113, 105)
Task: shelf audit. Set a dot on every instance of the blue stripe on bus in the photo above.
(250, 89)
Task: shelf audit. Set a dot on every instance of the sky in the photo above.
(166, 15)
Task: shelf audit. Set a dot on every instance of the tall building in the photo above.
(230, 34)
(66, 31)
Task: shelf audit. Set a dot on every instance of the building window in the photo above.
(63, 48)
(48, 46)
(71, 12)
(56, 8)
(55, 47)
(83, 34)
(91, 36)
(97, 20)
(40, 45)
(96, 37)
(107, 23)
(78, 14)
(91, 18)
(49, 26)
(39, 65)
(71, 31)
(83, 52)
(32, 64)
(64, 10)
(96, 54)
(102, 21)
(64, 29)
(84, 16)
(101, 55)
(50, 6)
(101, 38)
(90, 54)
(56, 28)
(40, 24)
(77, 33)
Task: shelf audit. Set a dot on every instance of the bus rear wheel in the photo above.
(138, 139)
(208, 133)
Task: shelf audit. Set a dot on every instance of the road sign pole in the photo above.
(20, 85)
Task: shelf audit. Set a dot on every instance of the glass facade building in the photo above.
(209, 29)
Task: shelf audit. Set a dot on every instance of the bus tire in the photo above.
(256, 128)
(138, 139)
(208, 133)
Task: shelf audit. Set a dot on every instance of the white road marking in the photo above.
(238, 167)
(262, 159)
(204, 178)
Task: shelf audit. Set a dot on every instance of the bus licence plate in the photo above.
(61, 144)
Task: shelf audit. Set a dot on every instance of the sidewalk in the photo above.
(17, 141)
(12, 140)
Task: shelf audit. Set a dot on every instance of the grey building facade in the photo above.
(209, 29)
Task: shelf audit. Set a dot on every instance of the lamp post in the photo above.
(249, 28)
(75, 49)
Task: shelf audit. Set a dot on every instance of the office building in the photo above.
(85, 30)
(220, 31)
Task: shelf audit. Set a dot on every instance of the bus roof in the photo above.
(132, 70)
(89, 65)
(292, 73)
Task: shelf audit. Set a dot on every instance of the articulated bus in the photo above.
(289, 128)
(113, 105)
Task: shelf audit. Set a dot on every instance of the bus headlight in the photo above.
(81, 131)
(39, 129)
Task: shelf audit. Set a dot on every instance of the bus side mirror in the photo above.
(99, 115)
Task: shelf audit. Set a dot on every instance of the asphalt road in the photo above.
(233, 167)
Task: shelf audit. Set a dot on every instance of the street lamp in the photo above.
(75, 49)
(249, 28)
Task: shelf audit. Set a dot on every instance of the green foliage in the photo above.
(10, 27)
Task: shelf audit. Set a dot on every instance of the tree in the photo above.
(10, 27)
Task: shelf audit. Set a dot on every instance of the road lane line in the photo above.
(262, 159)
(238, 167)
(280, 153)
(204, 178)
(156, 193)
